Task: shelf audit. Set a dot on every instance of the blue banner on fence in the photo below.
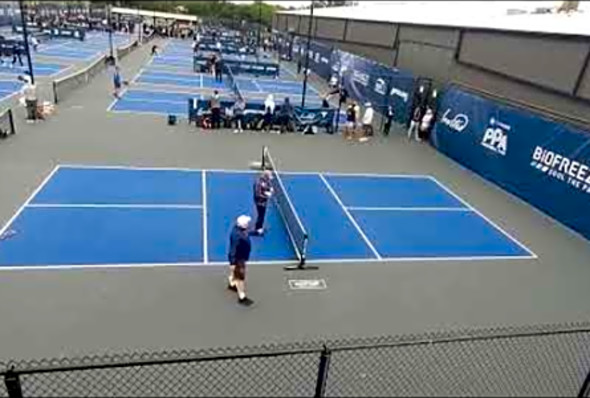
(366, 80)
(320, 59)
(544, 162)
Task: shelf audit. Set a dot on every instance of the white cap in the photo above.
(243, 221)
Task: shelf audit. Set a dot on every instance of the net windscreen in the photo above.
(295, 229)
(64, 86)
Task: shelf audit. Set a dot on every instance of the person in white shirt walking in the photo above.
(29, 91)
(367, 123)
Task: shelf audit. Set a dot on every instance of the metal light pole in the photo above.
(139, 27)
(109, 22)
(259, 21)
(26, 39)
(305, 73)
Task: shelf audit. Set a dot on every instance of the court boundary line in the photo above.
(146, 73)
(112, 104)
(152, 101)
(261, 262)
(112, 206)
(179, 115)
(532, 254)
(219, 264)
(189, 169)
(350, 217)
(204, 218)
(29, 199)
(427, 209)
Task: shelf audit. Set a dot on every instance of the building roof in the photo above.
(157, 14)
(499, 15)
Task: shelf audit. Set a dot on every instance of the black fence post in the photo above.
(12, 383)
(323, 370)
(585, 390)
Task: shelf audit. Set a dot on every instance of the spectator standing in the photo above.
(218, 67)
(30, 93)
(367, 123)
(388, 120)
(269, 110)
(425, 124)
(333, 81)
(239, 107)
(286, 116)
(215, 105)
(350, 121)
(357, 112)
(17, 54)
(414, 123)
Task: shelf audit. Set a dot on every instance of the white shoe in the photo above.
(363, 139)
(236, 131)
(260, 231)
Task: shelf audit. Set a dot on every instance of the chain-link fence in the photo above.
(547, 360)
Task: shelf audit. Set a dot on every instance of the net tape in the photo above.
(297, 233)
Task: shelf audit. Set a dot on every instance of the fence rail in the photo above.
(543, 360)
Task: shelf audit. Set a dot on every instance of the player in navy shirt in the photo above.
(262, 193)
(239, 253)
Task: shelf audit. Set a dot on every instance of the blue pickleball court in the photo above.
(121, 216)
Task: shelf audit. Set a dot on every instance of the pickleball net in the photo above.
(297, 233)
(233, 84)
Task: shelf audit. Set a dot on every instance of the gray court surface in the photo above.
(51, 313)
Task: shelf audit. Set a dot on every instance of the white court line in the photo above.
(531, 253)
(111, 206)
(217, 264)
(154, 100)
(412, 176)
(137, 112)
(35, 192)
(204, 200)
(158, 76)
(137, 75)
(110, 107)
(350, 217)
(355, 208)
(188, 169)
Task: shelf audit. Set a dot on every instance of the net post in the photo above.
(54, 84)
(323, 370)
(11, 121)
(263, 160)
(12, 383)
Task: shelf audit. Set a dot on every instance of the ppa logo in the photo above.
(495, 137)
(380, 86)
